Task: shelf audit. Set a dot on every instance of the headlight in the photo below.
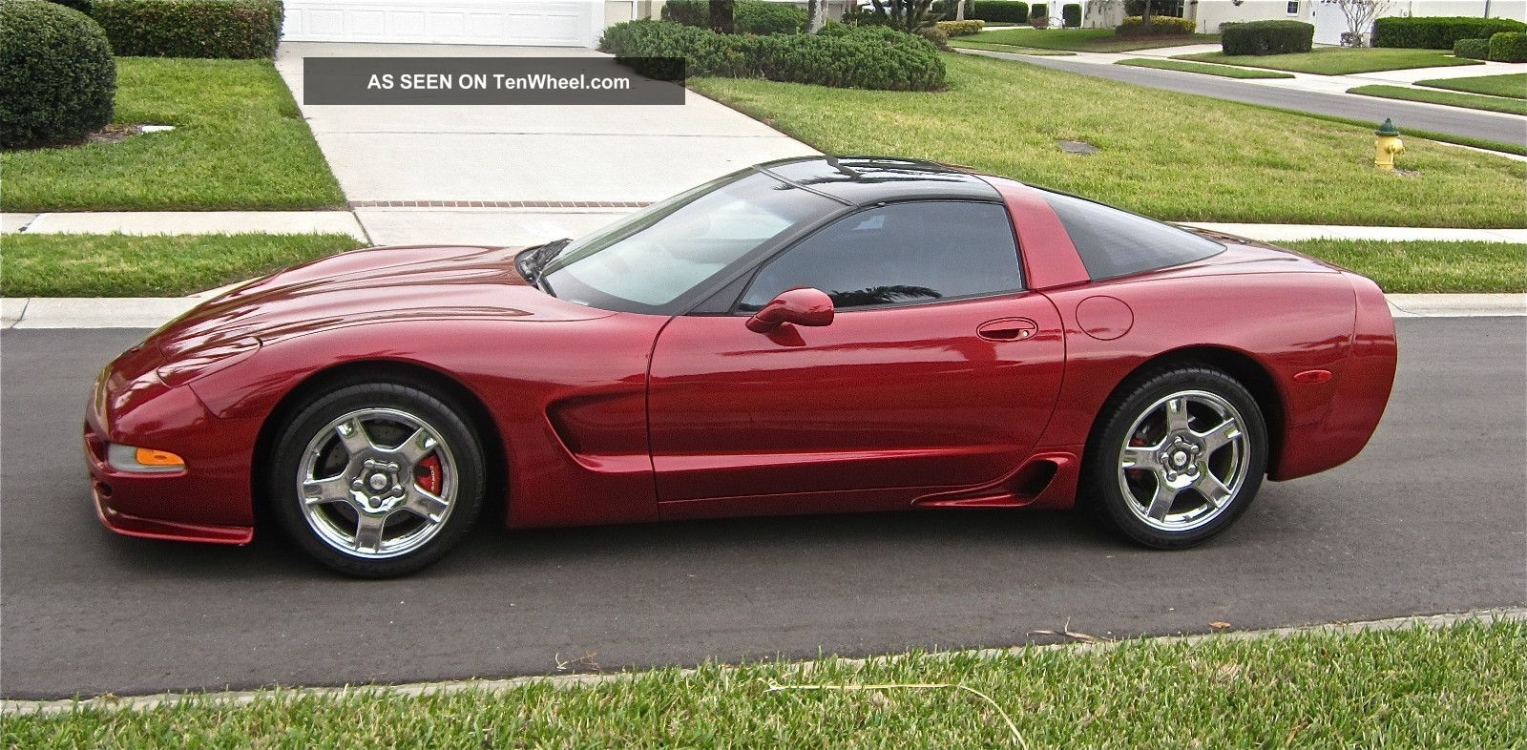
(191, 365)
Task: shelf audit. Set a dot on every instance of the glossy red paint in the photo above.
(608, 417)
(805, 307)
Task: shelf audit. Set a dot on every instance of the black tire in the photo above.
(1151, 472)
(411, 484)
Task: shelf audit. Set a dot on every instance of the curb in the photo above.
(1086, 644)
(152, 312)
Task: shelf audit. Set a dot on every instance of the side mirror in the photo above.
(803, 307)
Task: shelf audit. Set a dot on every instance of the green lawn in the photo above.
(117, 265)
(239, 143)
(1450, 98)
(1167, 155)
(1415, 267)
(1461, 687)
(1336, 61)
(1225, 71)
(1086, 40)
(968, 43)
(1513, 85)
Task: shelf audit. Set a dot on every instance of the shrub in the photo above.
(1266, 37)
(999, 11)
(1474, 49)
(1159, 26)
(769, 18)
(239, 29)
(82, 6)
(842, 56)
(1072, 14)
(1039, 10)
(961, 28)
(688, 12)
(1439, 32)
(1508, 46)
(57, 76)
(936, 35)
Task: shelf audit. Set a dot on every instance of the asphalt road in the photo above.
(1491, 126)
(1428, 519)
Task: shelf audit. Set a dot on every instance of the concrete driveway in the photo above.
(519, 160)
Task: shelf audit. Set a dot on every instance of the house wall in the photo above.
(1211, 13)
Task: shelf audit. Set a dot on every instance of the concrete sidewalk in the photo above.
(389, 159)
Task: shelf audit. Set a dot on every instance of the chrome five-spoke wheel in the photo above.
(377, 483)
(1179, 457)
(377, 479)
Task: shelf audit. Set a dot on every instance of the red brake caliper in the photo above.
(427, 475)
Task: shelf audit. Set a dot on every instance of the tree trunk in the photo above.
(721, 19)
(816, 12)
(1145, 15)
(959, 10)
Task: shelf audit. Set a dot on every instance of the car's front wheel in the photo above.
(377, 479)
(1179, 458)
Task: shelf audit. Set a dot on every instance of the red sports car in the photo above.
(804, 336)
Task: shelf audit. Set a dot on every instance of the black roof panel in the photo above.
(866, 180)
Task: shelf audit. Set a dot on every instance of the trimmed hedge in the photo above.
(1508, 47)
(1266, 37)
(749, 16)
(1159, 26)
(1473, 49)
(82, 6)
(961, 28)
(841, 56)
(999, 11)
(1071, 13)
(769, 18)
(57, 75)
(238, 29)
(1039, 10)
(1437, 32)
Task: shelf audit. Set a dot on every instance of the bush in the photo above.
(1159, 26)
(769, 18)
(82, 6)
(961, 28)
(1072, 14)
(1039, 10)
(936, 35)
(999, 11)
(239, 29)
(688, 12)
(1266, 37)
(1439, 32)
(1508, 47)
(841, 56)
(57, 75)
(1473, 49)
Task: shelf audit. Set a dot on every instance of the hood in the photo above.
(375, 285)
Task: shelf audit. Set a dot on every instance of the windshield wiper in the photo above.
(533, 261)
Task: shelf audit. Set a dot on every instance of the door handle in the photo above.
(1007, 329)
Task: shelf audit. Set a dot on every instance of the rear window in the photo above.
(1118, 243)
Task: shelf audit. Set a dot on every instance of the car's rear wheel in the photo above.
(377, 480)
(1178, 458)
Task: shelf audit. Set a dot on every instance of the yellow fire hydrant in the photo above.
(1386, 146)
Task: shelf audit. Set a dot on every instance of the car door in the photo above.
(938, 371)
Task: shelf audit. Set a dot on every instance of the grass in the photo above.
(1167, 155)
(1336, 61)
(968, 43)
(1225, 71)
(1087, 40)
(1513, 85)
(239, 143)
(1463, 686)
(117, 265)
(1427, 267)
(1450, 98)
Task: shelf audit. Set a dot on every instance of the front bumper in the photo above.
(210, 501)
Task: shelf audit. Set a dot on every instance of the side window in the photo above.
(902, 253)
(1118, 243)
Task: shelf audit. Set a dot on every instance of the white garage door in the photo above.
(509, 22)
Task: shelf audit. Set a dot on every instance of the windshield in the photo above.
(653, 257)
